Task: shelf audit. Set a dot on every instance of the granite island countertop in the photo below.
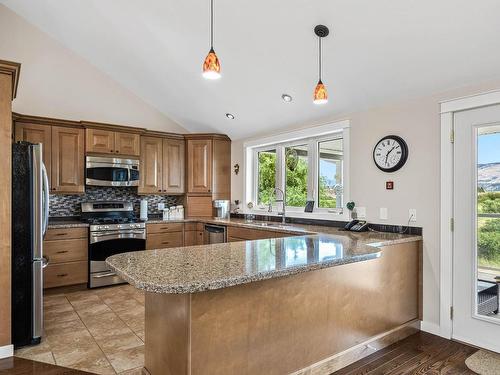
(208, 267)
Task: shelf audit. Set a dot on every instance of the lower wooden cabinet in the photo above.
(67, 252)
(164, 240)
(64, 274)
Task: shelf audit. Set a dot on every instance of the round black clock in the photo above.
(390, 153)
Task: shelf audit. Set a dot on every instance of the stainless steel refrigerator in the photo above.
(30, 212)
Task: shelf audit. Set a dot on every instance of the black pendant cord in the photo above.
(211, 24)
(319, 62)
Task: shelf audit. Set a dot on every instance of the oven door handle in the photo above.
(104, 275)
(117, 236)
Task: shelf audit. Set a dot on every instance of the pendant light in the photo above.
(320, 93)
(211, 65)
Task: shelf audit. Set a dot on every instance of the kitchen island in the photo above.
(274, 306)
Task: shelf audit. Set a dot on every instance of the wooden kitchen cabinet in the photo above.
(164, 235)
(173, 166)
(36, 133)
(162, 166)
(208, 172)
(151, 165)
(62, 147)
(127, 144)
(199, 165)
(99, 141)
(67, 253)
(67, 160)
(104, 141)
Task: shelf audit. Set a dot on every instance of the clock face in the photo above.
(390, 153)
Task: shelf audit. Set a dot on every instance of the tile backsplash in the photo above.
(69, 205)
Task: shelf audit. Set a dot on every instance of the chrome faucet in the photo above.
(283, 202)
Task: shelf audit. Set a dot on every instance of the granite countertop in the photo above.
(207, 267)
(64, 223)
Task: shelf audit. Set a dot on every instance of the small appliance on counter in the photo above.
(221, 208)
(30, 212)
(114, 229)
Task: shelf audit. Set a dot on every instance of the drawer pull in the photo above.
(62, 252)
(62, 275)
(61, 234)
(165, 243)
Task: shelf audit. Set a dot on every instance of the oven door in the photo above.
(106, 244)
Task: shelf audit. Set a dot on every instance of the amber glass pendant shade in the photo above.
(211, 66)
(320, 94)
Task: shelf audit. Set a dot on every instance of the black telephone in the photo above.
(356, 226)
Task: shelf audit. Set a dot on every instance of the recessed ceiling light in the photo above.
(230, 116)
(286, 98)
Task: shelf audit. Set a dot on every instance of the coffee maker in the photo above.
(221, 209)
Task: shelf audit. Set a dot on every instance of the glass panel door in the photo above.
(488, 220)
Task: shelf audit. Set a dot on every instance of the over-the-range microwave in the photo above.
(110, 171)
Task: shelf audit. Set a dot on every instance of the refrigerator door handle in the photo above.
(45, 180)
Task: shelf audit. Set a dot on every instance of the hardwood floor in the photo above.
(20, 366)
(421, 353)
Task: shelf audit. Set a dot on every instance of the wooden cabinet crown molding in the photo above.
(112, 127)
(14, 69)
(207, 136)
(157, 133)
(20, 118)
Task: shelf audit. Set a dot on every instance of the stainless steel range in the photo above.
(114, 229)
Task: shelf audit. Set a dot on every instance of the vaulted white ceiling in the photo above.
(377, 51)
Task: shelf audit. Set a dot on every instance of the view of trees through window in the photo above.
(297, 163)
(488, 201)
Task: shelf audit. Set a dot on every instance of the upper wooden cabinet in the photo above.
(173, 166)
(36, 133)
(63, 150)
(151, 165)
(199, 168)
(101, 141)
(67, 160)
(162, 166)
(110, 142)
(127, 144)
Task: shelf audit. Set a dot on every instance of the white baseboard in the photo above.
(433, 328)
(6, 351)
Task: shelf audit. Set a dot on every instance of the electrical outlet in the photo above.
(361, 212)
(412, 214)
(161, 206)
(383, 213)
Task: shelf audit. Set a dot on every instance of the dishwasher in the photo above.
(214, 234)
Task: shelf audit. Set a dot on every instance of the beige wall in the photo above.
(417, 184)
(55, 82)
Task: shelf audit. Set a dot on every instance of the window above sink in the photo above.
(309, 165)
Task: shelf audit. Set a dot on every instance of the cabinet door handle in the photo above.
(116, 151)
(62, 252)
(62, 275)
(110, 150)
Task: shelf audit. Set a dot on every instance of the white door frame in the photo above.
(448, 108)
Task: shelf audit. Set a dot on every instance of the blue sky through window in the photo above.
(488, 148)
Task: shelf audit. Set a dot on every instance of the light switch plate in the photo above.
(412, 214)
(361, 212)
(161, 206)
(383, 213)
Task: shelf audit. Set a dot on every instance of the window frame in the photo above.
(336, 131)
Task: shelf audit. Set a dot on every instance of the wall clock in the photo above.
(390, 153)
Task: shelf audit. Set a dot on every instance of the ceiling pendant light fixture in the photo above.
(320, 93)
(211, 65)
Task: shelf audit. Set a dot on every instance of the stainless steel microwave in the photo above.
(109, 171)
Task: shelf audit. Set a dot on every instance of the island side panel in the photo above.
(282, 325)
(167, 332)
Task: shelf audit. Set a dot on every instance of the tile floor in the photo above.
(98, 330)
